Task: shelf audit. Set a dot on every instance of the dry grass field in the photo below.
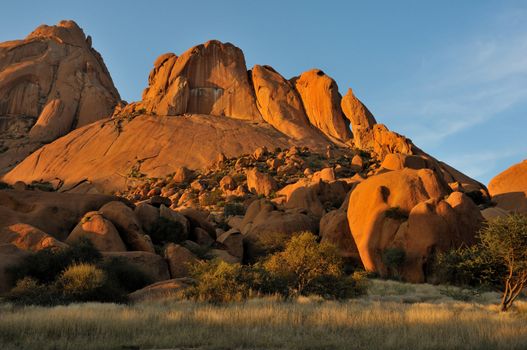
(393, 316)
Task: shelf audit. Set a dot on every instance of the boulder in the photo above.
(172, 215)
(509, 188)
(179, 260)
(260, 183)
(405, 209)
(29, 238)
(124, 219)
(494, 212)
(199, 218)
(223, 255)
(202, 237)
(227, 183)
(321, 99)
(262, 216)
(280, 104)
(147, 215)
(398, 161)
(152, 265)
(51, 82)
(233, 242)
(182, 175)
(35, 208)
(161, 290)
(334, 228)
(101, 232)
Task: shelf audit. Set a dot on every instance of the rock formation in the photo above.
(407, 210)
(509, 188)
(51, 82)
(321, 98)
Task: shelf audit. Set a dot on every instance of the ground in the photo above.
(393, 315)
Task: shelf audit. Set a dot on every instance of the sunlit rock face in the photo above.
(51, 82)
(509, 188)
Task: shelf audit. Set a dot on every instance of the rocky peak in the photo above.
(210, 78)
(65, 32)
(50, 83)
(321, 99)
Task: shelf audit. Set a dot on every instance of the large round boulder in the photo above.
(410, 210)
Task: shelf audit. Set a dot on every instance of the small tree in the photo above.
(305, 264)
(505, 239)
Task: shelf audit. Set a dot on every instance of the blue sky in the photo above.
(451, 75)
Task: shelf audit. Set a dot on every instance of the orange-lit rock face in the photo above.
(357, 113)
(362, 120)
(50, 83)
(280, 104)
(509, 188)
(406, 209)
(207, 79)
(103, 152)
(321, 99)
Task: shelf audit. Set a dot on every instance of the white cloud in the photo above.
(463, 86)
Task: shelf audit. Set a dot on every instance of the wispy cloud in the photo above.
(463, 86)
(483, 164)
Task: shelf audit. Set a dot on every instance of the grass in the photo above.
(306, 323)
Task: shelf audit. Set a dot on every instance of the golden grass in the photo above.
(268, 323)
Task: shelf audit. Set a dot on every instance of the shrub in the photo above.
(165, 231)
(394, 258)
(499, 259)
(28, 291)
(45, 265)
(218, 282)
(468, 266)
(81, 282)
(308, 267)
(264, 244)
(505, 241)
(233, 209)
(74, 274)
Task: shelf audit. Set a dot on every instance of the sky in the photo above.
(450, 75)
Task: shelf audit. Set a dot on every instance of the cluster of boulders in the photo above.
(230, 156)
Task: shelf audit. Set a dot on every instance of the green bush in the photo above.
(233, 209)
(468, 267)
(302, 267)
(265, 244)
(218, 282)
(81, 282)
(28, 291)
(165, 231)
(74, 274)
(305, 265)
(394, 258)
(45, 265)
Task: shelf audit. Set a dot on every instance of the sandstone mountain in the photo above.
(509, 188)
(230, 154)
(51, 82)
(205, 103)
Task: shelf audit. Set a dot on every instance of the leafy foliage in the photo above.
(505, 240)
(74, 274)
(218, 282)
(302, 267)
(499, 259)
